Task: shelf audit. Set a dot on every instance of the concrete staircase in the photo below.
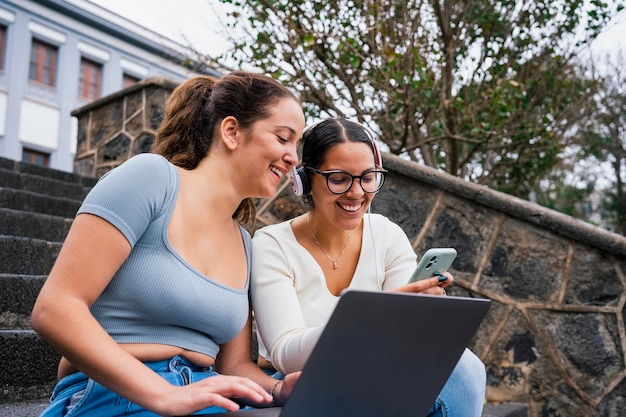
(37, 206)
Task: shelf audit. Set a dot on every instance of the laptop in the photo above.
(419, 337)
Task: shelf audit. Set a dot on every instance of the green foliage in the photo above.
(603, 139)
(568, 199)
(488, 90)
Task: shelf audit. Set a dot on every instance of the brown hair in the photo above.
(321, 137)
(198, 105)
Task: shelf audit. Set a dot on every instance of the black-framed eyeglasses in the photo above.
(339, 181)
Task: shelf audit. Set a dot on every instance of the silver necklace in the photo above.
(334, 261)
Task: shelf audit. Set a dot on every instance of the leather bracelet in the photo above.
(273, 391)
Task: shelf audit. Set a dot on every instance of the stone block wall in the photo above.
(554, 338)
(114, 128)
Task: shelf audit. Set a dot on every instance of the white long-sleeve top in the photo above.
(290, 298)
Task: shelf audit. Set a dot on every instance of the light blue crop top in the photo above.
(157, 297)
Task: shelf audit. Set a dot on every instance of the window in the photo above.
(129, 80)
(43, 63)
(90, 83)
(3, 31)
(36, 157)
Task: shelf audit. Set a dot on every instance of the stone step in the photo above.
(28, 366)
(37, 203)
(506, 410)
(34, 408)
(33, 225)
(26, 256)
(42, 185)
(26, 168)
(10, 179)
(24, 408)
(19, 293)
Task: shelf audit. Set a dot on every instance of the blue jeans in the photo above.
(77, 395)
(463, 395)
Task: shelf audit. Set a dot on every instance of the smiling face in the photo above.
(270, 147)
(343, 211)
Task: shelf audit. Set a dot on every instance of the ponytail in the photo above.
(185, 136)
(198, 105)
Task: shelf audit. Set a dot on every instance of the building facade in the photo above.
(59, 55)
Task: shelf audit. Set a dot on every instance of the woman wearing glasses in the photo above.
(301, 266)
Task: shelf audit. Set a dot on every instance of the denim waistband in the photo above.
(173, 364)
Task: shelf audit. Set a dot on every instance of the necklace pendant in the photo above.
(345, 245)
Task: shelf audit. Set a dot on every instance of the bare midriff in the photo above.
(148, 352)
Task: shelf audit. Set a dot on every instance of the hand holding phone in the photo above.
(434, 260)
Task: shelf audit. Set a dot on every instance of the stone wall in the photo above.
(554, 337)
(114, 128)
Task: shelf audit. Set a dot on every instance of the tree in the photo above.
(603, 140)
(486, 90)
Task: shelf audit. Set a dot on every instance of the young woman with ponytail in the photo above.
(148, 299)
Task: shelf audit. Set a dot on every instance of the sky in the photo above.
(613, 39)
(192, 23)
(196, 23)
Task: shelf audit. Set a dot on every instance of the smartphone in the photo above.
(434, 260)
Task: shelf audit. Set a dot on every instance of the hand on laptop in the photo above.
(435, 285)
(283, 390)
(222, 391)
